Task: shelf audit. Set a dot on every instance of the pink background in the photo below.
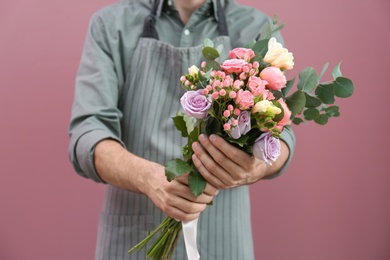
(332, 203)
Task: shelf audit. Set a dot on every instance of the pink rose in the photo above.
(275, 77)
(233, 66)
(257, 86)
(286, 117)
(241, 53)
(244, 99)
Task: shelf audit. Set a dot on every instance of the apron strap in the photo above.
(150, 32)
(222, 25)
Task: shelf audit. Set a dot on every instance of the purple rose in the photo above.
(267, 148)
(243, 127)
(195, 104)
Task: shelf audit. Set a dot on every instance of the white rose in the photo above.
(193, 71)
(278, 56)
(266, 106)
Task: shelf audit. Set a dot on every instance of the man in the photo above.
(121, 132)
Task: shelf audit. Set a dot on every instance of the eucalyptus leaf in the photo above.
(197, 183)
(208, 43)
(288, 87)
(297, 121)
(220, 48)
(307, 80)
(324, 68)
(210, 53)
(343, 87)
(311, 114)
(176, 168)
(312, 101)
(250, 44)
(332, 111)
(326, 93)
(212, 65)
(180, 124)
(261, 47)
(336, 71)
(322, 119)
(296, 102)
(266, 32)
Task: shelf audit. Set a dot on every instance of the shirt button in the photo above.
(169, 3)
(186, 32)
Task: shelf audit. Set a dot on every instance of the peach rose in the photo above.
(275, 78)
(233, 66)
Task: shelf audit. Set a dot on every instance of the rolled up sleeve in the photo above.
(95, 115)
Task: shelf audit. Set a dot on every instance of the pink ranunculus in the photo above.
(195, 104)
(275, 77)
(244, 99)
(241, 53)
(233, 66)
(267, 148)
(243, 127)
(286, 117)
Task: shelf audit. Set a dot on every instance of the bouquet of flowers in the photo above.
(246, 100)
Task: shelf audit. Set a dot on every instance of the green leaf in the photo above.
(332, 111)
(189, 123)
(275, 20)
(266, 32)
(210, 53)
(311, 114)
(343, 87)
(208, 43)
(175, 168)
(336, 71)
(322, 119)
(279, 116)
(297, 121)
(220, 48)
(261, 47)
(197, 183)
(180, 124)
(296, 102)
(288, 87)
(323, 71)
(240, 141)
(307, 80)
(250, 44)
(312, 101)
(212, 65)
(326, 93)
(280, 27)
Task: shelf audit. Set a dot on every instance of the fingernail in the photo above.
(195, 145)
(213, 138)
(202, 137)
(216, 193)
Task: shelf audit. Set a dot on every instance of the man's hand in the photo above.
(225, 166)
(125, 170)
(177, 201)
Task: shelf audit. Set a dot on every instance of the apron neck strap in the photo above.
(149, 30)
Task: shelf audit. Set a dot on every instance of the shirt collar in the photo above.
(207, 3)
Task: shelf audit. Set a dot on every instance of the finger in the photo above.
(227, 164)
(210, 178)
(239, 157)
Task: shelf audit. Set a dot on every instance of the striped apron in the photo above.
(149, 98)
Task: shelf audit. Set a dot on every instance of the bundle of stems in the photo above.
(163, 247)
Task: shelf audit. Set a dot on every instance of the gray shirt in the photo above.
(97, 114)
